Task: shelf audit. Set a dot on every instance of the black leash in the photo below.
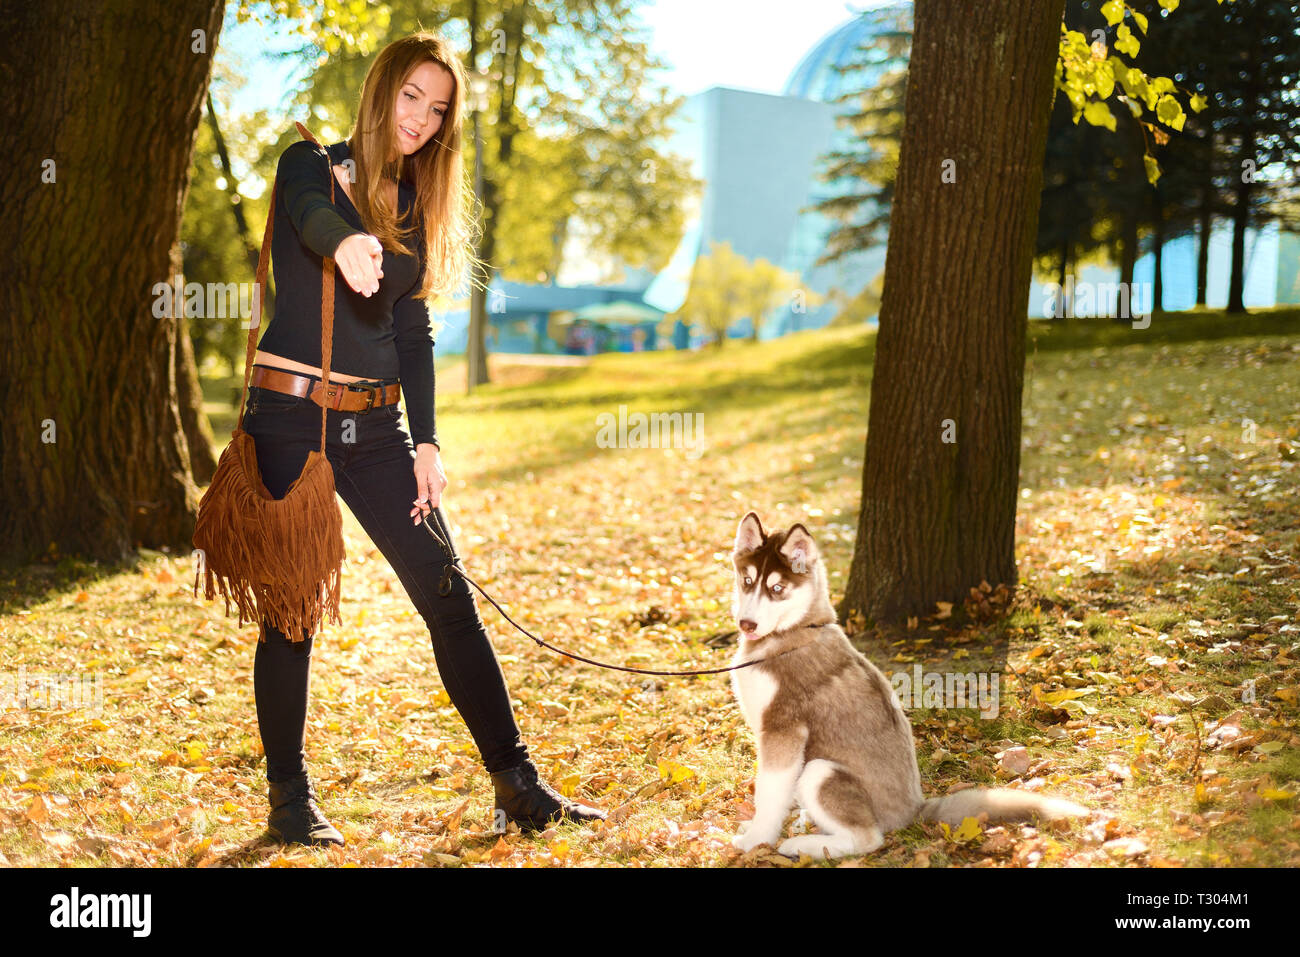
(444, 589)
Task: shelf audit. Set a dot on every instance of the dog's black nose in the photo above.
(747, 625)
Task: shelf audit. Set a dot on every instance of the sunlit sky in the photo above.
(752, 44)
(749, 44)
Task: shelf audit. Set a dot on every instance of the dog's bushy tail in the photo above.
(1001, 804)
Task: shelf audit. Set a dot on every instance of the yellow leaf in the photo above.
(1065, 694)
(674, 773)
(1273, 794)
(1099, 114)
(967, 831)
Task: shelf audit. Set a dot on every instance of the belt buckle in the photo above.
(371, 387)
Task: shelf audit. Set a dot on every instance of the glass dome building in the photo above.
(762, 158)
(854, 42)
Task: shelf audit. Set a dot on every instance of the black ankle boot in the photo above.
(533, 805)
(295, 818)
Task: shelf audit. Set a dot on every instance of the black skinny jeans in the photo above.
(373, 475)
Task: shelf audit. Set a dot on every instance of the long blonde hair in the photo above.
(444, 201)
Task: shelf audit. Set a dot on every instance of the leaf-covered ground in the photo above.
(1150, 656)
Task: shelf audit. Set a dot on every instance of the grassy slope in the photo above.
(1158, 553)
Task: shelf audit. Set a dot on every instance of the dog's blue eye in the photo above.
(776, 589)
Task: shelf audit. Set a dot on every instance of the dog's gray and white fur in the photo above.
(829, 729)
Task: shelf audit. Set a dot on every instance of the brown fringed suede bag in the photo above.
(278, 560)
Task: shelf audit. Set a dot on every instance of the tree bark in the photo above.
(938, 517)
(1128, 255)
(189, 394)
(1206, 218)
(1203, 244)
(1158, 248)
(252, 247)
(1240, 222)
(102, 102)
(1061, 277)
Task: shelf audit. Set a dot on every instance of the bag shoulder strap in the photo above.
(326, 308)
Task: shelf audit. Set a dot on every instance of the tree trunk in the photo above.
(252, 247)
(1157, 301)
(1061, 276)
(1128, 254)
(1240, 221)
(938, 517)
(104, 100)
(189, 394)
(1205, 222)
(476, 370)
(1158, 248)
(1203, 248)
(507, 60)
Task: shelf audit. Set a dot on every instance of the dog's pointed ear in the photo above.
(799, 549)
(749, 534)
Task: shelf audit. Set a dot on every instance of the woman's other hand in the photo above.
(360, 261)
(430, 480)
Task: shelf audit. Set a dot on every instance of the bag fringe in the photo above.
(279, 561)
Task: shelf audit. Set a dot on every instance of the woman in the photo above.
(398, 234)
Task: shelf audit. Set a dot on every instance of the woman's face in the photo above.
(421, 105)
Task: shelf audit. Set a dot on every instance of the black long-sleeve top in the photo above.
(385, 336)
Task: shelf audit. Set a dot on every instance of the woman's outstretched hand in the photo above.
(360, 261)
(430, 480)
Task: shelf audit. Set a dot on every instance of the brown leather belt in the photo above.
(343, 396)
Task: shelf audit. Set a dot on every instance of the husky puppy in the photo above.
(829, 729)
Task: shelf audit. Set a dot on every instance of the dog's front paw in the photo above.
(747, 840)
(814, 845)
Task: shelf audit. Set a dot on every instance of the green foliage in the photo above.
(1088, 74)
(862, 175)
(726, 287)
